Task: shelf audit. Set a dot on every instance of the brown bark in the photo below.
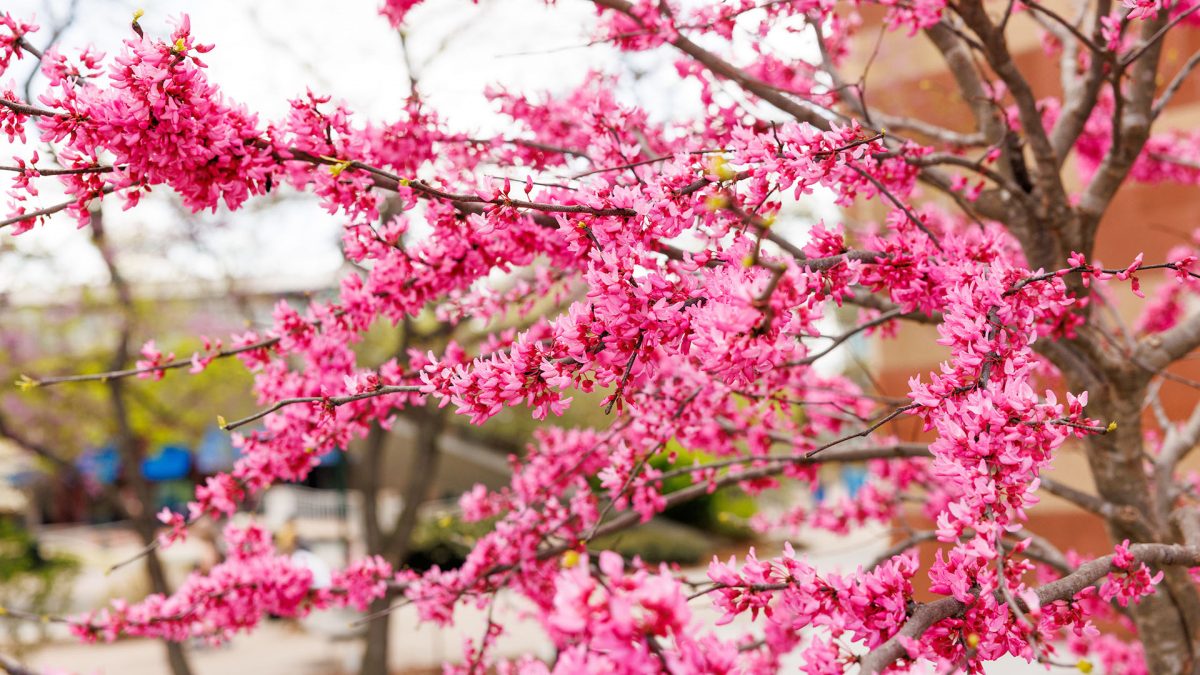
(395, 545)
(130, 447)
(924, 616)
(1169, 620)
(176, 656)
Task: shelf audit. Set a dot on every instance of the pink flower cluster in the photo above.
(252, 582)
(11, 32)
(12, 123)
(151, 360)
(610, 619)
(1130, 581)
(163, 122)
(792, 596)
(396, 10)
(1142, 9)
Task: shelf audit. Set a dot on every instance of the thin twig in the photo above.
(329, 401)
(129, 372)
(873, 323)
(883, 190)
(51, 210)
(1137, 53)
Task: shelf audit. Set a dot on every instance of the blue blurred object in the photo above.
(24, 478)
(215, 453)
(171, 463)
(100, 465)
(854, 477)
(331, 458)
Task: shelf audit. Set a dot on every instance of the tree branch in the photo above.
(999, 57)
(50, 210)
(846, 455)
(329, 401)
(1065, 588)
(1160, 350)
(1126, 515)
(1080, 95)
(837, 341)
(14, 667)
(129, 372)
(722, 68)
(1176, 82)
(970, 84)
(1131, 128)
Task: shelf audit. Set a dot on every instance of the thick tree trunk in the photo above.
(176, 657)
(146, 526)
(376, 653)
(394, 546)
(130, 446)
(431, 421)
(1168, 621)
(376, 650)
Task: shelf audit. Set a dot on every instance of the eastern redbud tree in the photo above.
(703, 327)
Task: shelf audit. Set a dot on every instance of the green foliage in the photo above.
(21, 557)
(445, 540)
(69, 419)
(30, 580)
(687, 534)
(724, 512)
(660, 541)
